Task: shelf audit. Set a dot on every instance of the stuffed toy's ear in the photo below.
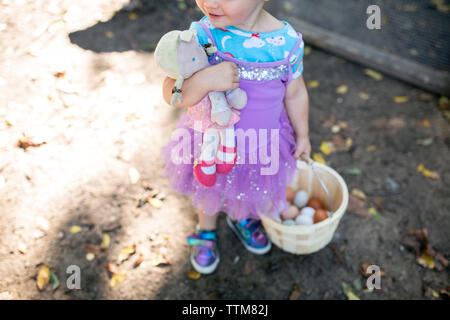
(187, 35)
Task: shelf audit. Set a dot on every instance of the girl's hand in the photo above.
(221, 77)
(303, 146)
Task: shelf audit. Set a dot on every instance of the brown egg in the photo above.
(290, 213)
(315, 204)
(290, 194)
(320, 215)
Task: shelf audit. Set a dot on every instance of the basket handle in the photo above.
(306, 158)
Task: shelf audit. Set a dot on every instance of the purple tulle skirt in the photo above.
(244, 192)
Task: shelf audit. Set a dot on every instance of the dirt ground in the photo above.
(79, 81)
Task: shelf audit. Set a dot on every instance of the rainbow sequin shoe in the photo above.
(252, 235)
(204, 253)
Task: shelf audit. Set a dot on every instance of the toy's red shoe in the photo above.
(223, 166)
(205, 179)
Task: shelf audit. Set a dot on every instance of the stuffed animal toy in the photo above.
(180, 55)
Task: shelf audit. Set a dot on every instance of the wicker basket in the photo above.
(301, 239)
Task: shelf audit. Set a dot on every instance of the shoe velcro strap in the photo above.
(256, 224)
(193, 241)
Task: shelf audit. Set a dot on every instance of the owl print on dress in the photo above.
(277, 41)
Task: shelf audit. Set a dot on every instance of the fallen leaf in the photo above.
(364, 96)
(338, 143)
(26, 142)
(312, 83)
(126, 253)
(445, 293)
(117, 278)
(364, 268)
(426, 256)
(354, 171)
(358, 207)
(444, 103)
(194, 275)
(335, 128)
(59, 74)
(22, 248)
(43, 224)
(117, 275)
(327, 147)
(390, 126)
(373, 74)
(90, 256)
(425, 123)
(134, 175)
(318, 157)
(106, 240)
(54, 280)
(132, 16)
(139, 261)
(109, 34)
(425, 97)
(374, 213)
(328, 123)
(307, 50)
(413, 52)
(425, 142)
(359, 193)
(348, 143)
(343, 89)
(426, 261)
(155, 202)
(160, 259)
(427, 173)
(371, 148)
(90, 248)
(349, 292)
(43, 277)
(400, 99)
(296, 293)
(247, 269)
(75, 229)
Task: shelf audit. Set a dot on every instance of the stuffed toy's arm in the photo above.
(237, 98)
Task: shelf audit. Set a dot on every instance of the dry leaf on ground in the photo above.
(426, 256)
(194, 275)
(126, 253)
(43, 277)
(427, 173)
(358, 207)
(296, 293)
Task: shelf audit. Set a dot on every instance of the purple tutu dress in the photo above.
(255, 186)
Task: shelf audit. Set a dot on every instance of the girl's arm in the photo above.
(297, 107)
(221, 77)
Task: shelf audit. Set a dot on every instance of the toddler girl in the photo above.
(264, 57)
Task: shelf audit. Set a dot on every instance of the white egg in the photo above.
(304, 220)
(301, 198)
(308, 211)
(289, 222)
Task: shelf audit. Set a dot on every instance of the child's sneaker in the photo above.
(252, 235)
(204, 253)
